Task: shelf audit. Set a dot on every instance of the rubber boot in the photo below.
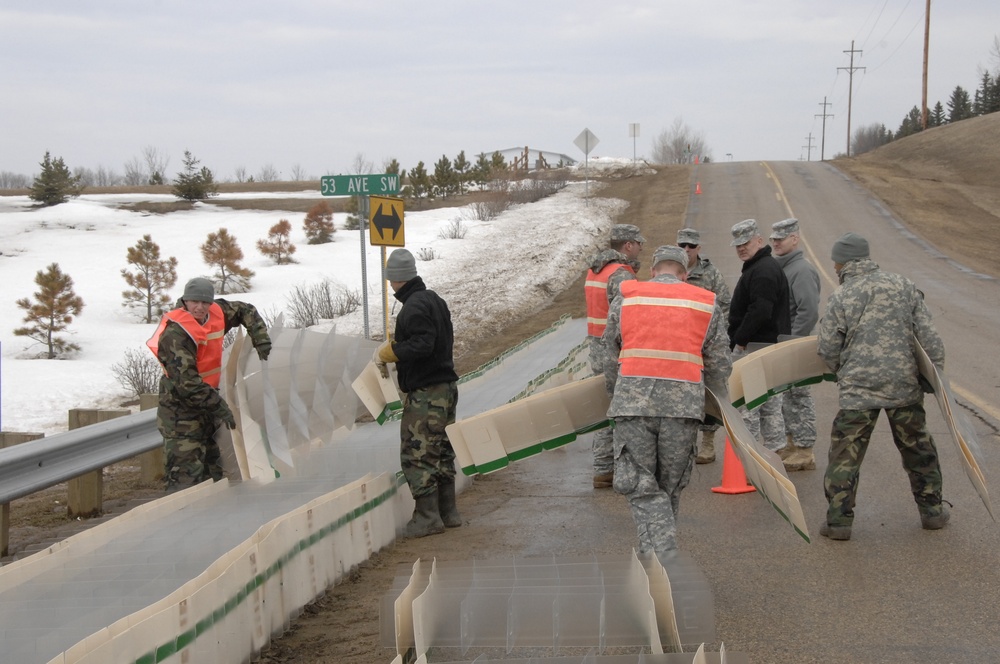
(787, 450)
(426, 518)
(446, 504)
(801, 458)
(706, 451)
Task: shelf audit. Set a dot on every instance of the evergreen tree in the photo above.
(420, 181)
(987, 96)
(353, 208)
(53, 310)
(223, 253)
(278, 245)
(497, 163)
(152, 278)
(392, 167)
(445, 181)
(937, 117)
(194, 184)
(480, 173)
(959, 106)
(55, 184)
(318, 224)
(462, 167)
(911, 124)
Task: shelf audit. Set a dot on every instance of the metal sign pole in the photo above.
(385, 300)
(362, 226)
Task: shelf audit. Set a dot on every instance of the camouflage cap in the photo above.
(744, 231)
(669, 252)
(688, 236)
(782, 229)
(626, 233)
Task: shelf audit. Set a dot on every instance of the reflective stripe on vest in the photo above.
(207, 339)
(596, 291)
(663, 328)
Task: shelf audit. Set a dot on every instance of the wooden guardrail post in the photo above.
(86, 491)
(153, 462)
(9, 439)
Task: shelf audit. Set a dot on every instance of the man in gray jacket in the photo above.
(867, 337)
(797, 405)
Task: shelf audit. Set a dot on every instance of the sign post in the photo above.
(385, 228)
(362, 186)
(586, 141)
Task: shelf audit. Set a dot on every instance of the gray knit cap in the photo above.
(199, 289)
(849, 247)
(400, 266)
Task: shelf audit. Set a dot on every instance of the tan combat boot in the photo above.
(801, 458)
(789, 447)
(706, 450)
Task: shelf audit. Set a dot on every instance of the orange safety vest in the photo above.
(207, 338)
(663, 328)
(596, 291)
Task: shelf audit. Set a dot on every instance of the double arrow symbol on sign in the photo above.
(386, 221)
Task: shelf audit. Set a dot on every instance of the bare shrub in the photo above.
(426, 254)
(139, 372)
(307, 306)
(455, 230)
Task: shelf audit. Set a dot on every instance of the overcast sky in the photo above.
(315, 83)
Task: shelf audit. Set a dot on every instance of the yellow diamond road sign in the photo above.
(385, 221)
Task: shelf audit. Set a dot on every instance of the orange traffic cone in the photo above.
(734, 478)
(697, 188)
(696, 159)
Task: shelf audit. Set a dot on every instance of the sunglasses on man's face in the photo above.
(688, 245)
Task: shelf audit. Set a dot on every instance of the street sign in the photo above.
(359, 185)
(586, 141)
(385, 221)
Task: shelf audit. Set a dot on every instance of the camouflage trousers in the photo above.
(602, 442)
(852, 429)
(653, 461)
(426, 455)
(765, 421)
(798, 409)
(192, 455)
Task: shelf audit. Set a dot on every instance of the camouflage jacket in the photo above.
(653, 397)
(183, 393)
(867, 337)
(707, 276)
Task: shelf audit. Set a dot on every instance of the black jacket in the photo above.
(759, 309)
(424, 338)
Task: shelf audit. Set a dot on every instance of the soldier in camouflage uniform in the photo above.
(421, 347)
(608, 269)
(188, 344)
(797, 405)
(703, 274)
(867, 337)
(671, 343)
(759, 313)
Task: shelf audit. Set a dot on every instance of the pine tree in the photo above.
(318, 224)
(959, 106)
(53, 310)
(392, 167)
(194, 184)
(353, 209)
(937, 117)
(911, 124)
(223, 253)
(445, 181)
(55, 184)
(462, 166)
(420, 181)
(278, 246)
(152, 278)
(480, 173)
(497, 163)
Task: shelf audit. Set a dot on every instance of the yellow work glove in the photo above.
(386, 354)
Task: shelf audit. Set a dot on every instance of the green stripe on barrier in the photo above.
(203, 626)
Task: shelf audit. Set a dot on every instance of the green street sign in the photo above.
(359, 185)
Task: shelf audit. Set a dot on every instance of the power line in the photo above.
(850, 90)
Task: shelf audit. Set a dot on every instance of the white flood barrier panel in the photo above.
(211, 573)
(548, 603)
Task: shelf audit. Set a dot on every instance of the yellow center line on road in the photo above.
(973, 399)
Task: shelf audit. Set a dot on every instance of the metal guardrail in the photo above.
(39, 464)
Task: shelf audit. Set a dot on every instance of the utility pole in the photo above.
(850, 92)
(824, 115)
(809, 147)
(927, 42)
